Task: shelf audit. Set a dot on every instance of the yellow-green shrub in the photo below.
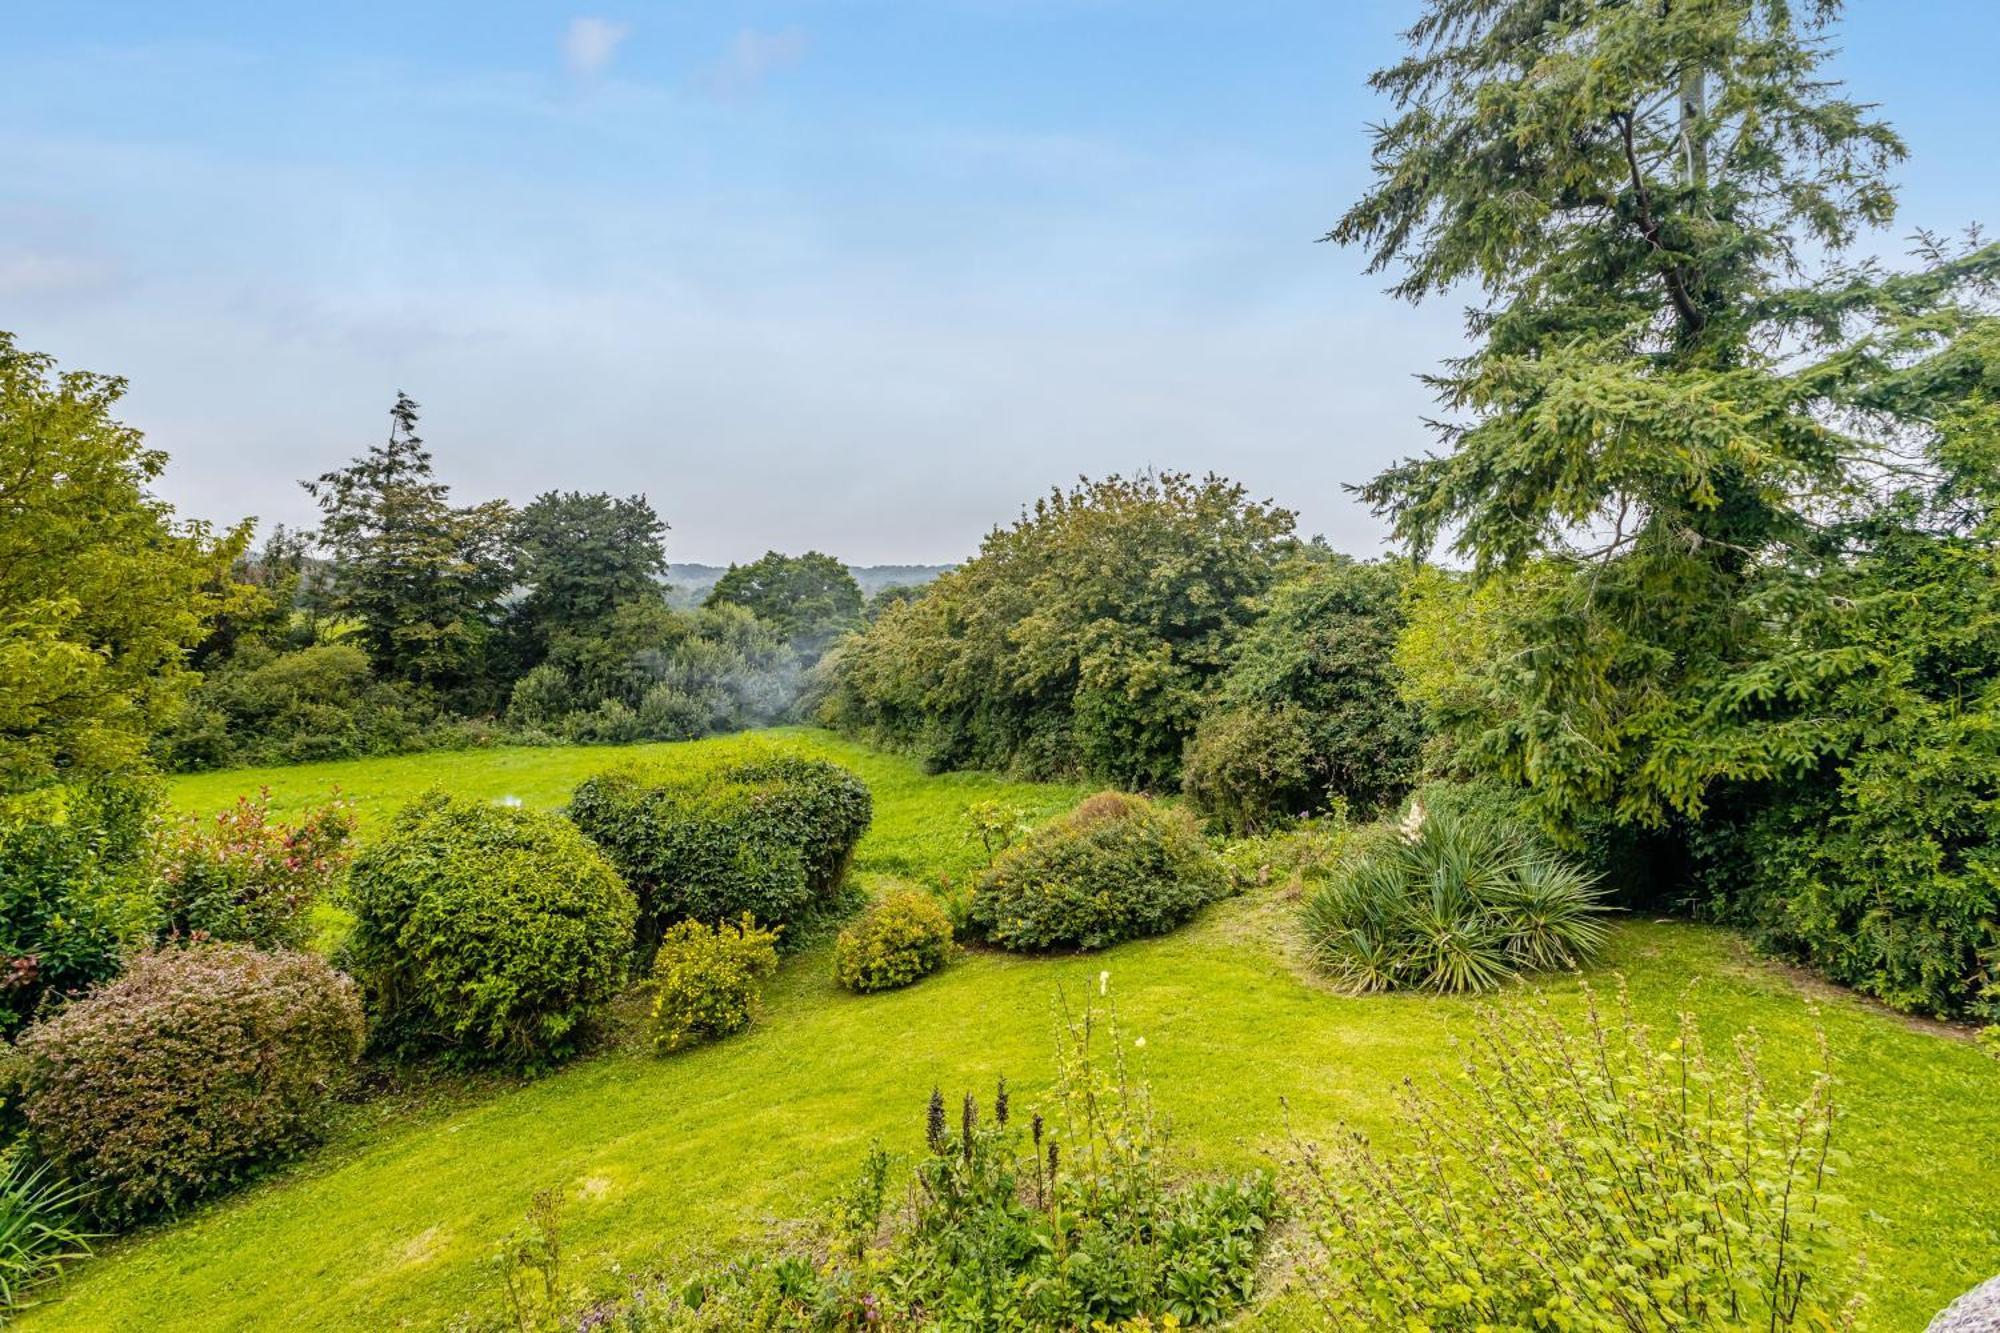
(706, 980)
(901, 938)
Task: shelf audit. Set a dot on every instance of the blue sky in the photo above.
(858, 275)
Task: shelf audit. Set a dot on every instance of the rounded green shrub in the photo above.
(706, 979)
(496, 935)
(709, 838)
(1116, 868)
(1249, 768)
(903, 937)
(192, 1069)
(1452, 899)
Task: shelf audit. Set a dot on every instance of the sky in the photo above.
(864, 276)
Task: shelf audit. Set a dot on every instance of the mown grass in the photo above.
(391, 1225)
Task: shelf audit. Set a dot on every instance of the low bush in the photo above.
(496, 935)
(266, 706)
(39, 1231)
(187, 1073)
(1575, 1183)
(1116, 868)
(902, 938)
(77, 889)
(241, 876)
(1250, 768)
(1450, 900)
(754, 830)
(706, 980)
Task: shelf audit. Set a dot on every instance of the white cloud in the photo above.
(589, 44)
(752, 56)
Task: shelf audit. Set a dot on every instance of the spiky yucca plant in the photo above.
(1452, 901)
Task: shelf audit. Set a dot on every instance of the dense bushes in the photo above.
(1309, 709)
(76, 888)
(239, 876)
(186, 1073)
(495, 935)
(706, 978)
(902, 937)
(1576, 1184)
(711, 837)
(1083, 639)
(1451, 900)
(1116, 868)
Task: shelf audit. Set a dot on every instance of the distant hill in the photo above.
(688, 585)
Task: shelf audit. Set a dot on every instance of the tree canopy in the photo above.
(103, 591)
(810, 599)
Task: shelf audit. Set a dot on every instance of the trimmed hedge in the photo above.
(1116, 868)
(495, 935)
(902, 938)
(186, 1073)
(761, 832)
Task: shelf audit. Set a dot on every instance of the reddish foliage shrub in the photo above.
(241, 876)
(186, 1073)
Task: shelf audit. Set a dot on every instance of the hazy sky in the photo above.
(856, 275)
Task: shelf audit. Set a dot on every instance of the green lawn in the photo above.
(391, 1224)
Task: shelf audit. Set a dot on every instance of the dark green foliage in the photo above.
(754, 830)
(581, 557)
(705, 980)
(902, 937)
(810, 599)
(424, 579)
(1710, 492)
(1084, 639)
(1598, 1180)
(1309, 708)
(1116, 868)
(187, 1073)
(1451, 900)
(77, 891)
(39, 1231)
(494, 935)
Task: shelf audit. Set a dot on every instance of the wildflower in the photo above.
(1413, 821)
(934, 1128)
(1103, 983)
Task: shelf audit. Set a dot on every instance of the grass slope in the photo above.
(389, 1227)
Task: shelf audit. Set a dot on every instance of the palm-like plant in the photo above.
(38, 1231)
(1452, 901)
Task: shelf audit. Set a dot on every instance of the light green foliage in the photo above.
(1599, 1180)
(809, 600)
(77, 888)
(240, 876)
(187, 1073)
(102, 590)
(1081, 640)
(1116, 868)
(669, 1164)
(490, 934)
(1450, 900)
(1073, 1217)
(902, 937)
(423, 578)
(1309, 708)
(752, 830)
(705, 980)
